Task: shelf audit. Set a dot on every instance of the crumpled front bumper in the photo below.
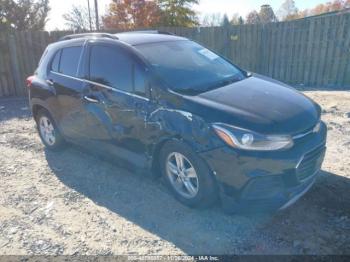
(279, 201)
(298, 193)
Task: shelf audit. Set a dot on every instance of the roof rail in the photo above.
(74, 36)
(148, 32)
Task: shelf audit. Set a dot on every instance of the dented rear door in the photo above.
(119, 102)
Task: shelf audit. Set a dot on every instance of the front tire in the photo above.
(187, 176)
(48, 131)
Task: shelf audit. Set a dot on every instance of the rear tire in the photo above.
(48, 131)
(187, 175)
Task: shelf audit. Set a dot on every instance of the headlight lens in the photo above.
(248, 140)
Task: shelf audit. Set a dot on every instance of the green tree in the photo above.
(225, 22)
(23, 14)
(267, 15)
(178, 13)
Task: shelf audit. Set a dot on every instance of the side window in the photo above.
(56, 61)
(41, 70)
(70, 60)
(139, 80)
(111, 67)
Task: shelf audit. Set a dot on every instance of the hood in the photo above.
(259, 104)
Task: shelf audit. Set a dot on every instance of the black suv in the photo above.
(165, 103)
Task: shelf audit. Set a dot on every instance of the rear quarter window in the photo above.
(41, 69)
(56, 61)
(43, 56)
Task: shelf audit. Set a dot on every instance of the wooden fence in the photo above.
(311, 52)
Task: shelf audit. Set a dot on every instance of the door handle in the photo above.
(49, 82)
(91, 99)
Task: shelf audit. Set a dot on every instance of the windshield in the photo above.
(189, 67)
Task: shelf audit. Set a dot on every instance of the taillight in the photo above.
(29, 81)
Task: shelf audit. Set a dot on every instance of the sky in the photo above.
(230, 7)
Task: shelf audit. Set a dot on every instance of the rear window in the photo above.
(69, 62)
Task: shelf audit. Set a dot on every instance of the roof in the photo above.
(136, 38)
(131, 38)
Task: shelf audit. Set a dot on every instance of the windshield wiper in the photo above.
(189, 91)
(199, 89)
(226, 81)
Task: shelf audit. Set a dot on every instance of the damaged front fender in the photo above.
(169, 123)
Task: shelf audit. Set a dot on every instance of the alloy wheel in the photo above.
(182, 175)
(47, 130)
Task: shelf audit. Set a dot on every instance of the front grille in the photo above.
(310, 163)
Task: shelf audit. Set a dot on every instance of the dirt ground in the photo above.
(73, 203)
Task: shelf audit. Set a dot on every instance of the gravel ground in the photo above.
(74, 203)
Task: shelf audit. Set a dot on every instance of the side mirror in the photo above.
(156, 87)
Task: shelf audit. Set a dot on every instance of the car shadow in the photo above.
(14, 107)
(146, 202)
(318, 224)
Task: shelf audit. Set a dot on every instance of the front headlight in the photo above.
(248, 140)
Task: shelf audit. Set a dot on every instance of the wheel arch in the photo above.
(155, 168)
(181, 126)
(36, 108)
